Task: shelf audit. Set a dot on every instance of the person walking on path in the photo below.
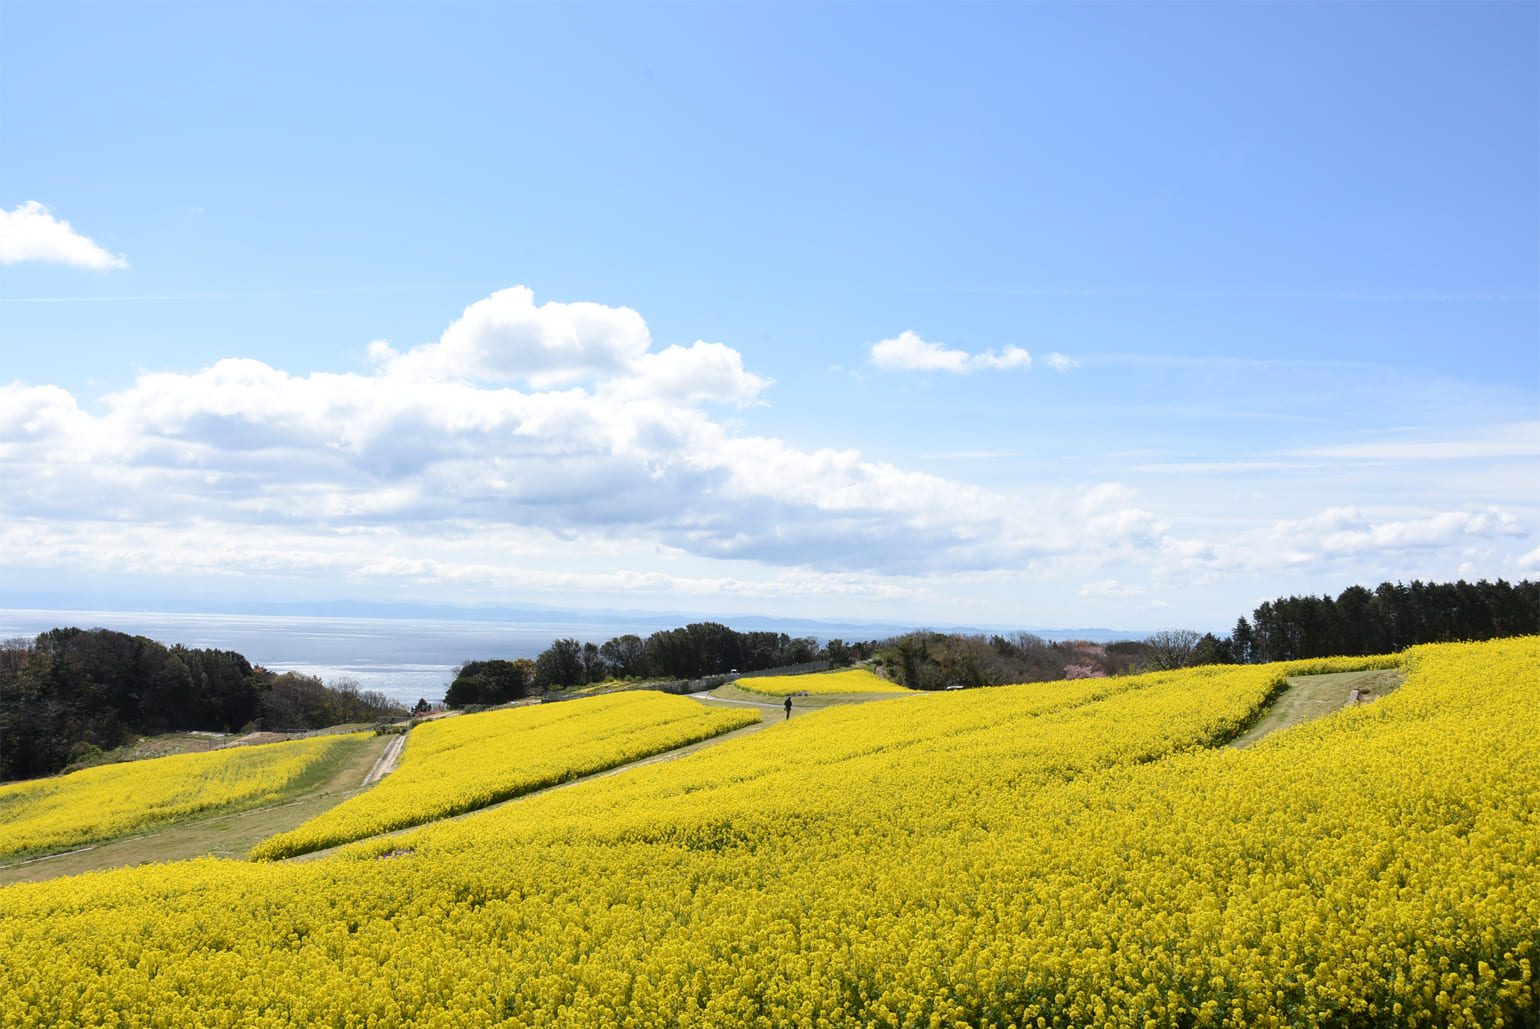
(788, 707)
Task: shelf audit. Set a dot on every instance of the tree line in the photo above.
(929, 660)
(70, 693)
(1358, 621)
(921, 660)
(688, 652)
(1388, 618)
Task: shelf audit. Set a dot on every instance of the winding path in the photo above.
(230, 834)
(1308, 697)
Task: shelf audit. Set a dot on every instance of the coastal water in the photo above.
(402, 658)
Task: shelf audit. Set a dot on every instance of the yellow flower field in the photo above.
(817, 684)
(455, 765)
(1071, 853)
(99, 803)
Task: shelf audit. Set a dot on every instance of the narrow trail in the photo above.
(707, 698)
(667, 755)
(387, 762)
(1309, 697)
(232, 833)
(774, 715)
(800, 705)
(227, 834)
(774, 710)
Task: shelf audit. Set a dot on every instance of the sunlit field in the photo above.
(1073, 853)
(113, 800)
(460, 764)
(818, 684)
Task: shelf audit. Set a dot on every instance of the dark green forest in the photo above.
(1388, 618)
(72, 692)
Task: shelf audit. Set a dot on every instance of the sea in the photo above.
(405, 659)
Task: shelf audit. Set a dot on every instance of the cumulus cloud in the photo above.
(1346, 530)
(699, 374)
(531, 439)
(907, 352)
(31, 233)
(560, 418)
(1345, 541)
(1108, 510)
(1061, 362)
(506, 337)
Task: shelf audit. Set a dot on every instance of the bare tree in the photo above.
(1171, 648)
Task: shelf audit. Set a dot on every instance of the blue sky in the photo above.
(728, 308)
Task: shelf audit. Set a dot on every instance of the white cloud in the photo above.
(1346, 530)
(30, 233)
(506, 558)
(1108, 510)
(1347, 537)
(507, 338)
(619, 439)
(1337, 546)
(553, 448)
(1061, 362)
(1010, 357)
(1531, 561)
(907, 352)
(699, 374)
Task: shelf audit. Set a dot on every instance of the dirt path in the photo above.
(773, 715)
(667, 755)
(234, 833)
(388, 760)
(1311, 696)
(730, 694)
(770, 710)
(228, 834)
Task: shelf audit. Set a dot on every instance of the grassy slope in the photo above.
(1308, 697)
(227, 833)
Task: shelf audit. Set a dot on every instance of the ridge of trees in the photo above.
(71, 692)
(924, 660)
(1358, 621)
(1388, 618)
(928, 660)
(687, 652)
